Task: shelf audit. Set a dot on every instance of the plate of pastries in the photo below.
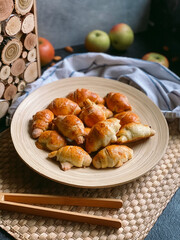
(89, 132)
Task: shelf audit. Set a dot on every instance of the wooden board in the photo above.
(146, 153)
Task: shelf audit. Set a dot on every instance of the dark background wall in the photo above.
(165, 22)
(67, 22)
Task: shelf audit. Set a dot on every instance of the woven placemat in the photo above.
(143, 199)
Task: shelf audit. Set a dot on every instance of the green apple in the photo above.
(97, 41)
(121, 36)
(156, 57)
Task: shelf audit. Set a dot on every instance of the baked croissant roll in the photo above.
(64, 106)
(50, 140)
(102, 134)
(117, 102)
(132, 132)
(70, 156)
(112, 156)
(108, 113)
(91, 113)
(87, 131)
(71, 127)
(127, 117)
(80, 95)
(41, 121)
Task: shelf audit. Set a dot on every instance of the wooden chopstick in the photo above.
(13, 202)
(62, 200)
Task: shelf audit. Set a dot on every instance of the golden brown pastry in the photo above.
(112, 156)
(70, 156)
(80, 95)
(64, 106)
(87, 131)
(71, 127)
(108, 113)
(102, 134)
(41, 121)
(50, 140)
(132, 132)
(127, 117)
(117, 102)
(91, 113)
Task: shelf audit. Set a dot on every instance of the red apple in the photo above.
(97, 41)
(122, 36)
(156, 57)
(46, 51)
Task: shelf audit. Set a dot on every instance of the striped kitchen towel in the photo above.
(160, 84)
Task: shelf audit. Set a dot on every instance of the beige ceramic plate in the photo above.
(146, 154)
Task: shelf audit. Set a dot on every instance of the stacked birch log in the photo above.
(19, 63)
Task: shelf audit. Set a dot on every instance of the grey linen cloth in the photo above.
(160, 84)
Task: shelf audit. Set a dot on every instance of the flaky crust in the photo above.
(64, 106)
(127, 117)
(102, 134)
(71, 127)
(117, 102)
(50, 140)
(74, 155)
(108, 113)
(41, 121)
(80, 95)
(91, 113)
(132, 132)
(112, 156)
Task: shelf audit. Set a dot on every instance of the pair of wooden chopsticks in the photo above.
(22, 203)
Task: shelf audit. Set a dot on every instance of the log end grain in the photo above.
(6, 8)
(28, 23)
(10, 92)
(11, 51)
(30, 41)
(2, 88)
(13, 25)
(23, 7)
(31, 72)
(18, 67)
(4, 105)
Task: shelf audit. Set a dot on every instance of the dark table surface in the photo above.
(168, 224)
